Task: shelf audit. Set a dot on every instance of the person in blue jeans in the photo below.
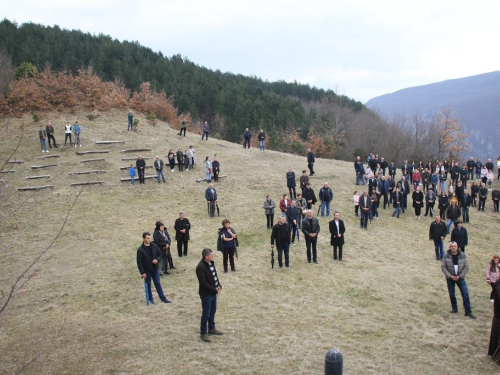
(325, 197)
(148, 259)
(131, 172)
(437, 233)
(262, 140)
(455, 266)
(209, 288)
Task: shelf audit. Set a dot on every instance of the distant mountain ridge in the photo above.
(475, 100)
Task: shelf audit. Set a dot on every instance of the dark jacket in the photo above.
(460, 237)
(383, 186)
(292, 213)
(310, 157)
(335, 241)
(160, 167)
(471, 164)
(161, 241)
(261, 136)
(436, 231)
(140, 164)
(308, 194)
(418, 196)
(179, 225)
(303, 181)
(325, 195)
(397, 199)
(145, 258)
(307, 228)
(444, 202)
(209, 196)
(290, 179)
(466, 201)
(362, 202)
(247, 135)
(453, 212)
(206, 279)
(280, 234)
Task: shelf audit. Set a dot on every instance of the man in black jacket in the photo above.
(459, 235)
(182, 227)
(437, 233)
(495, 197)
(310, 228)
(483, 194)
(148, 258)
(309, 196)
(141, 167)
(337, 230)
(246, 138)
(281, 235)
(209, 288)
(310, 161)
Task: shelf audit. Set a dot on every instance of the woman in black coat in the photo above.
(162, 240)
(418, 199)
(494, 349)
(337, 230)
(443, 204)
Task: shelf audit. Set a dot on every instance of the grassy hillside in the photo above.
(72, 300)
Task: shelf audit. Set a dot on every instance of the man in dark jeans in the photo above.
(148, 258)
(455, 266)
(50, 134)
(209, 288)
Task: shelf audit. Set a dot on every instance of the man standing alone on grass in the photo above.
(148, 258)
(209, 288)
(437, 233)
(206, 129)
(455, 266)
(290, 183)
(211, 197)
(281, 235)
(310, 228)
(310, 161)
(130, 120)
(159, 169)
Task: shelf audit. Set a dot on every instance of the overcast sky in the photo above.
(361, 49)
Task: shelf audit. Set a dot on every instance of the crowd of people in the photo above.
(438, 189)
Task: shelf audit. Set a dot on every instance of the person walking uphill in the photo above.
(148, 258)
(209, 288)
(455, 266)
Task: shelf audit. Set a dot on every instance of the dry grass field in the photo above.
(72, 301)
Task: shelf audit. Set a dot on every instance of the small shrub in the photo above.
(36, 118)
(92, 115)
(135, 124)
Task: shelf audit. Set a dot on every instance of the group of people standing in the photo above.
(47, 133)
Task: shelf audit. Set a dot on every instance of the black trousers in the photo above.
(246, 143)
(429, 207)
(290, 190)
(335, 252)
(270, 219)
(49, 137)
(311, 168)
(386, 203)
(228, 253)
(166, 260)
(183, 130)
(180, 245)
(66, 136)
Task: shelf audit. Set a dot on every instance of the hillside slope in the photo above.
(473, 99)
(72, 300)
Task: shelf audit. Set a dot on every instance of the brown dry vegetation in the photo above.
(77, 304)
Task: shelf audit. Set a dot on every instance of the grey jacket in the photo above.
(269, 206)
(447, 265)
